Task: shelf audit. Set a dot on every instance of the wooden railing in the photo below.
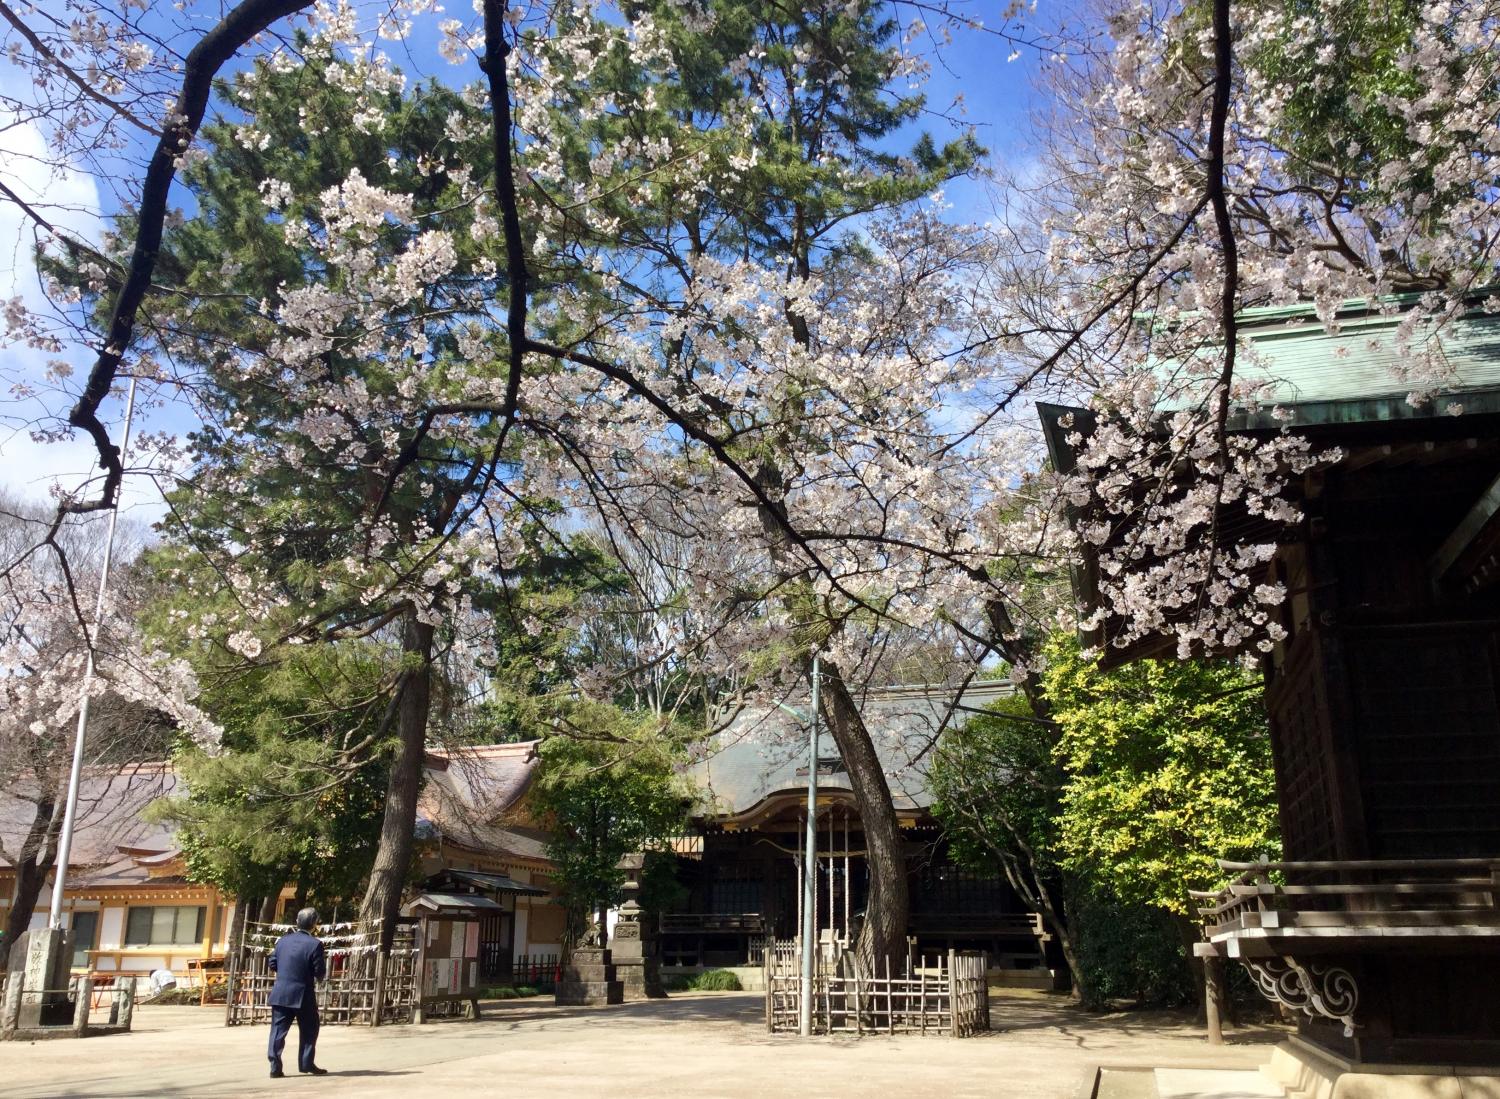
(1439, 898)
(752, 922)
(1003, 925)
(929, 994)
(1292, 923)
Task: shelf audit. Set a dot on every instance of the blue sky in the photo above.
(995, 93)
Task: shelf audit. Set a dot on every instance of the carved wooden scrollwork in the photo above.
(1315, 990)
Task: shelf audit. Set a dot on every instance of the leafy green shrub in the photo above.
(1131, 952)
(716, 980)
(712, 980)
(506, 992)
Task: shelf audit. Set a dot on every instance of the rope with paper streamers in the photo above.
(339, 939)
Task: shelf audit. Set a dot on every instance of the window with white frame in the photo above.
(164, 925)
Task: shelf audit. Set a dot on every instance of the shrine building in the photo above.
(742, 864)
(1379, 928)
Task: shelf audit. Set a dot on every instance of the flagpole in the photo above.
(70, 813)
(810, 865)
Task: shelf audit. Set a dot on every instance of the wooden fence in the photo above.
(931, 994)
(364, 986)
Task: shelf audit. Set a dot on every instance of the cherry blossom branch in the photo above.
(1217, 195)
(44, 51)
(203, 62)
(1079, 331)
(496, 52)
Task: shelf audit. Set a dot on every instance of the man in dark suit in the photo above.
(298, 961)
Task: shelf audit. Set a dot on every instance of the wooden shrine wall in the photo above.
(1427, 716)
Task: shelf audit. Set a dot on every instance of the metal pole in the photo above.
(70, 813)
(810, 864)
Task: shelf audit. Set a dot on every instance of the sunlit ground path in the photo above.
(703, 1044)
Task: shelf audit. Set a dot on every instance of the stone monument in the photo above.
(588, 978)
(635, 956)
(37, 989)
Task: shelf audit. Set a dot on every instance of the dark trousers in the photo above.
(307, 1033)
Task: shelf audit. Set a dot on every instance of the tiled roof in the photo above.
(111, 830)
(763, 751)
(466, 797)
(471, 792)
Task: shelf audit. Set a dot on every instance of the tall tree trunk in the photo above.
(1062, 930)
(883, 934)
(236, 937)
(36, 857)
(269, 905)
(382, 899)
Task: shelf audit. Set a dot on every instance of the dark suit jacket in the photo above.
(297, 960)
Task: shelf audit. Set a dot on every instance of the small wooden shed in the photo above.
(448, 951)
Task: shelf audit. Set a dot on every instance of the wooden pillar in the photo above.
(379, 995)
(1213, 995)
(953, 992)
(210, 917)
(847, 886)
(231, 970)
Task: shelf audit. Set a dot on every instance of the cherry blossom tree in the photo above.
(1217, 157)
(788, 397)
(137, 694)
(657, 267)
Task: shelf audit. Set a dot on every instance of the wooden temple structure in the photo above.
(742, 867)
(1380, 927)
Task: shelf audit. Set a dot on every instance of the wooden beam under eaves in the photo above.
(1470, 530)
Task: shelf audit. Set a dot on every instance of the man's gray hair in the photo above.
(307, 919)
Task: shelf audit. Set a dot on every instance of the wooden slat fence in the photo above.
(927, 994)
(364, 986)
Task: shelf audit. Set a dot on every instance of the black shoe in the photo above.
(276, 1074)
(314, 1071)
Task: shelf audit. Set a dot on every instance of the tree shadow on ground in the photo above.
(719, 1007)
(1013, 1014)
(744, 1014)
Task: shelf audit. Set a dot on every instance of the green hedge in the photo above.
(1132, 952)
(506, 992)
(712, 980)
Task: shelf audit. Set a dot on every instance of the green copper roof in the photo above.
(1362, 362)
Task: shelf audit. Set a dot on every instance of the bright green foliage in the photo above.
(296, 796)
(609, 788)
(538, 650)
(998, 786)
(1341, 124)
(1169, 768)
(1130, 952)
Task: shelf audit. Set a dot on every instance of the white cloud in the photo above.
(69, 200)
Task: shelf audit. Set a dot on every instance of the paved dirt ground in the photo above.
(709, 1045)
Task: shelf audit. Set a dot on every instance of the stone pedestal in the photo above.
(37, 988)
(636, 959)
(635, 955)
(1307, 1072)
(589, 978)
